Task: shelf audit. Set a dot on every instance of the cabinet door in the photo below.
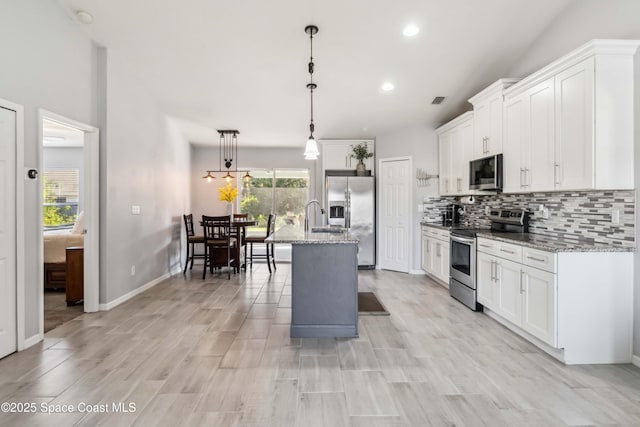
(539, 304)
(514, 143)
(574, 127)
(445, 260)
(540, 140)
(509, 290)
(335, 156)
(444, 162)
(427, 263)
(494, 142)
(482, 120)
(463, 151)
(486, 285)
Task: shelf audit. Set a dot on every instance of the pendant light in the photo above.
(311, 149)
(228, 155)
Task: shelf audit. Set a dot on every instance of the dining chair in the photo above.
(192, 240)
(269, 253)
(243, 237)
(220, 246)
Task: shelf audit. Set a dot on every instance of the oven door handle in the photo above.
(463, 240)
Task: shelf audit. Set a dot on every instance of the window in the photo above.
(281, 191)
(61, 192)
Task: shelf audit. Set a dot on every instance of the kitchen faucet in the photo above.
(306, 213)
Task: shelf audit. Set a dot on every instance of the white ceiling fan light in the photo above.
(84, 17)
(410, 30)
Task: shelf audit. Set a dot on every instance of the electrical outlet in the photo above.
(487, 210)
(133, 270)
(615, 216)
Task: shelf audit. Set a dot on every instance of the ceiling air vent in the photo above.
(437, 100)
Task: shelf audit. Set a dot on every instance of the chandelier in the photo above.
(311, 149)
(228, 152)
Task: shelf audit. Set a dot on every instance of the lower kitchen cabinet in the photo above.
(509, 290)
(435, 253)
(576, 306)
(539, 296)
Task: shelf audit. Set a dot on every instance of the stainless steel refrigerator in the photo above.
(350, 203)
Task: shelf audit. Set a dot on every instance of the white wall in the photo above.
(421, 143)
(582, 21)
(145, 162)
(47, 63)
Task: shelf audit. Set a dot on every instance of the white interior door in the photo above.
(8, 287)
(395, 214)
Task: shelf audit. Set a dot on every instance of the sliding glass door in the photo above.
(281, 191)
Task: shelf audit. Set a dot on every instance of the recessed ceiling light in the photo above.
(410, 30)
(84, 17)
(387, 86)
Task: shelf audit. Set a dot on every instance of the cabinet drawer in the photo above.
(487, 246)
(435, 233)
(539, 259)
(509, 251)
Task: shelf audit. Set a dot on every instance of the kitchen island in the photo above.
(324, 276)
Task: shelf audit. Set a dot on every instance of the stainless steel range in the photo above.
(462, 267)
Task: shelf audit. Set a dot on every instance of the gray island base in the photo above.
(324, 276)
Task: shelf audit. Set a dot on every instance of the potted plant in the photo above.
(361, 152)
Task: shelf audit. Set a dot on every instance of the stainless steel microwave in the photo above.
(486, 173)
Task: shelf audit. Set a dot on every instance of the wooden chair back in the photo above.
(188, 225)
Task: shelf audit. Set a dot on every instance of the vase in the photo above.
(230, 209)
(361, 169)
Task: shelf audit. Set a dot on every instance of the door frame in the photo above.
(91, 152)
(20, 238)
(379, 183)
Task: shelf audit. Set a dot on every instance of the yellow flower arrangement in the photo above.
(228, 193)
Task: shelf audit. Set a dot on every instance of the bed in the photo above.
(56, 243)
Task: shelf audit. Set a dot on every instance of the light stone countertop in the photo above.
(544, 242)
(296, 235)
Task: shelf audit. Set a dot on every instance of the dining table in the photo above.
(238, 226)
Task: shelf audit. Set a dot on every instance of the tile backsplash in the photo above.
(572, 215)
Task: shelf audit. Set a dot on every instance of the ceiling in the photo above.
(243, 64)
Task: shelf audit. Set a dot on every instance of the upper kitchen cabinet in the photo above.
(455, 141)
(569, 126)
(337, 154)
(487, 119)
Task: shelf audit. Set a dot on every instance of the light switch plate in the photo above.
(615, 216)
(135, 210)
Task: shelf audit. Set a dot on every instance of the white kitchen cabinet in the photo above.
(571, 123)
(574, 126)
(336, 155)
(576, 306)
(455, 150)
(486, 283)
(487, 118)
(519, 293)
(444, 163)
(539, 317)
(529, 140)
(435, 253)
(509, 290)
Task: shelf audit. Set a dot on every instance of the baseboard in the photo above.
(635, 360)
(31, 341)
(417, 272)
(116, 302)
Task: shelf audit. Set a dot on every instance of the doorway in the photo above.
(69, 212)
(395, 214)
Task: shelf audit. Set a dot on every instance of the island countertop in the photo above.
(297, 235)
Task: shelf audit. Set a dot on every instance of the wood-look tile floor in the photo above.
(218, 353)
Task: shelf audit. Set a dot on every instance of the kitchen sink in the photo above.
(328, 229)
